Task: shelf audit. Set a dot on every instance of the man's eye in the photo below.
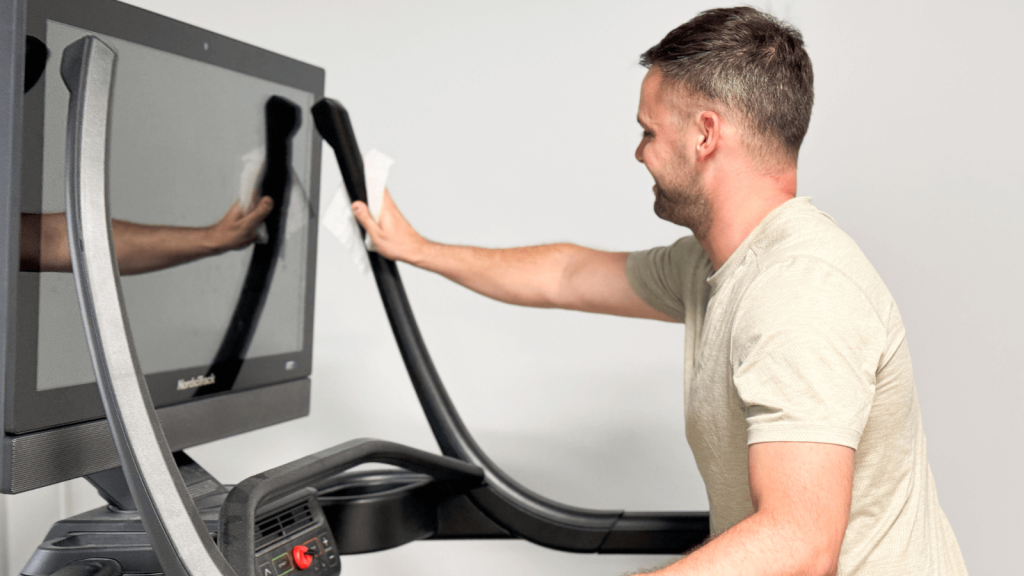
(648, 134)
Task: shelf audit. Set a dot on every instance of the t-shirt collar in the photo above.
(761, 230)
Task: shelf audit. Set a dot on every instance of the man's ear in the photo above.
(709, 130)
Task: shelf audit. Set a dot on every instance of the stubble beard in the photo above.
(684, 203)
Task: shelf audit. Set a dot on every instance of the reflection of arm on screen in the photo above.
(140, 247)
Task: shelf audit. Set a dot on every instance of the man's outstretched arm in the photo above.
(140, 247)
(551, 276)
(801, 493)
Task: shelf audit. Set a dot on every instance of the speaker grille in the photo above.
(279, 526)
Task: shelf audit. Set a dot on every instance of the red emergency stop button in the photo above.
(301, 556)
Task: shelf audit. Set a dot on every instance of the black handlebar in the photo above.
(508, 503)
(282, 118)
(333, 123)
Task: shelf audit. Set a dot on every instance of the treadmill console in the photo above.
(293, 538)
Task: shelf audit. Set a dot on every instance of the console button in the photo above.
(312, 546)
(332, 558)
(283, 564)
(265, 569)
(325, 542)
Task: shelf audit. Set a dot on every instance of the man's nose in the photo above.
(639, 154)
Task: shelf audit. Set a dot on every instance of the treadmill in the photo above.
(303, 515)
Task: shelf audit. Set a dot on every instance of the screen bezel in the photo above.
(29, 409)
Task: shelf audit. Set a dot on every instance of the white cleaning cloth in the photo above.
(298, 209)
(248, 180)
(339, 219)
(375, 167)
(248, 186)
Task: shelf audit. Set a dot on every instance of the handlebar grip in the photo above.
(332, 122)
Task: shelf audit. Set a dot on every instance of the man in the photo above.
(800, 407)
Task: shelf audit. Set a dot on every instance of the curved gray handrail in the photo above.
(178, 536)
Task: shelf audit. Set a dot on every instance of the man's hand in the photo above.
(237, 229)
(393, 236)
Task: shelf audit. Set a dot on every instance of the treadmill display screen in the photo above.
(187, 140)
(200, 128)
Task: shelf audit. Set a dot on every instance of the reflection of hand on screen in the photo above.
(140, 247)
(237, 229)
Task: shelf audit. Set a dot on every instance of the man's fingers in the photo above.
(261, 210)
(362, 214)
(390, 212)
(234, 211)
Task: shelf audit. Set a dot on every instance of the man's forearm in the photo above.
(801, 494)
(761, 544)
(530, 276)
(143, 248)
(139, 247)
(550, 276)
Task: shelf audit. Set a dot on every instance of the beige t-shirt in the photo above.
(797, 339)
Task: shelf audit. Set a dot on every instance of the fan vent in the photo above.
(280, 525)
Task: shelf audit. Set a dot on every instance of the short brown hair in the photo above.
(750, 61)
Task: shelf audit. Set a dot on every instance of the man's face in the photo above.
(679, 196)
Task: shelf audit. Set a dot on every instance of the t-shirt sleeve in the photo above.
(664, 277)
(806, 344)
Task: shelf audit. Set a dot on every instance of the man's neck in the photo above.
(738, 205)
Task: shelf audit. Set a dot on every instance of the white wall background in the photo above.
(513, 123)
